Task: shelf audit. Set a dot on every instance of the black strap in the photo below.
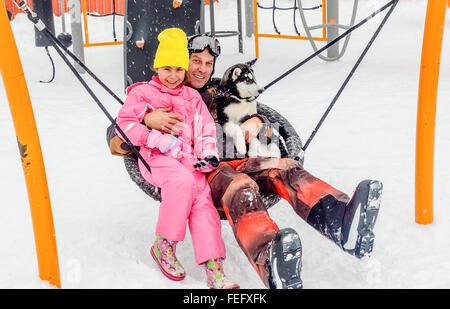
(392, 4)
(347, 32)
(55, 42)
(40, 25)
(89, 90)
(81, 64)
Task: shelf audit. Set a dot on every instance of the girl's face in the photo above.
(171, 77)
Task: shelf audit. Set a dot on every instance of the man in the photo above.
(236, 186)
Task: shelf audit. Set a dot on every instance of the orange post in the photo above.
(30, 152)
(86, 32)
(426, 110)
(324, 18)
(255, 22)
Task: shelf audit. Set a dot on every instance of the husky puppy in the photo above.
(235, 103)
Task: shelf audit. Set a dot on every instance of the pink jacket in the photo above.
(144, 97)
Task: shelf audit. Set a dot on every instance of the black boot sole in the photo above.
(367, 218)
(285, 256)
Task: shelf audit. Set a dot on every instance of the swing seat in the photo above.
(290, 147)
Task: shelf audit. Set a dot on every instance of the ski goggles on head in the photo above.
(199, 42)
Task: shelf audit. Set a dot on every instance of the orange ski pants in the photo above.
(236, 188)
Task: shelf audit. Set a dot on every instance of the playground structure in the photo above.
(103, 7)
(330, 22)
(31, 155)
(116, 9)
(330, 26)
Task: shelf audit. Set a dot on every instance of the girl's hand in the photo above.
(207, 165)
(167, 144)
(163, 120)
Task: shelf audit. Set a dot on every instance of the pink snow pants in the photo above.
(186, 196)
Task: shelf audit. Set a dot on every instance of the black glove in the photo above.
(207, 165)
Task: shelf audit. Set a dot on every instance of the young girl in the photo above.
(178, 163)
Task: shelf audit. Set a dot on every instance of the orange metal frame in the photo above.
(31, 154)
(86, 32)
(279, 36)
(426, 109)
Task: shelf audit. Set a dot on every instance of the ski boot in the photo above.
(285, 260)
(216, 278)
(359, 219)
(163, 252)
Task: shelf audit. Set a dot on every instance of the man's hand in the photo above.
(251, 128)
(163, 120)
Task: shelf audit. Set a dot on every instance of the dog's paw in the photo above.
(261, 150)
(241, 148)
(273, 151)
(254, 148)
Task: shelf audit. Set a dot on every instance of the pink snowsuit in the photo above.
(185, 192)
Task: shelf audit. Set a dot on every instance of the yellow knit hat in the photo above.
(172, 49)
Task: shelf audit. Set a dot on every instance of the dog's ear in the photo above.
(252, 62)
(235, 74)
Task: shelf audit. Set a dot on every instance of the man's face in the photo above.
(200, 69)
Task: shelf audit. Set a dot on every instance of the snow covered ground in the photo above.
(105, 225)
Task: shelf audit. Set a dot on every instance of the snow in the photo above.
(105, 225)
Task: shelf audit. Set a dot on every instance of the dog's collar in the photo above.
(223, 94)
(226, 94)
(249, 99)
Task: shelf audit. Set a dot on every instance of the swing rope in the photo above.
(349, 76)
(340, 37)
(32, 16)
(390, 5)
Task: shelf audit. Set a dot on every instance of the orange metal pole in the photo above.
(426, 110)
(86, 32)
(103, 44)
(324, 18)
(255, 21)
(30, 151)
(295, 37)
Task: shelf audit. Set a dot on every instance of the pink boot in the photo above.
(216, 279)
(163, 252)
